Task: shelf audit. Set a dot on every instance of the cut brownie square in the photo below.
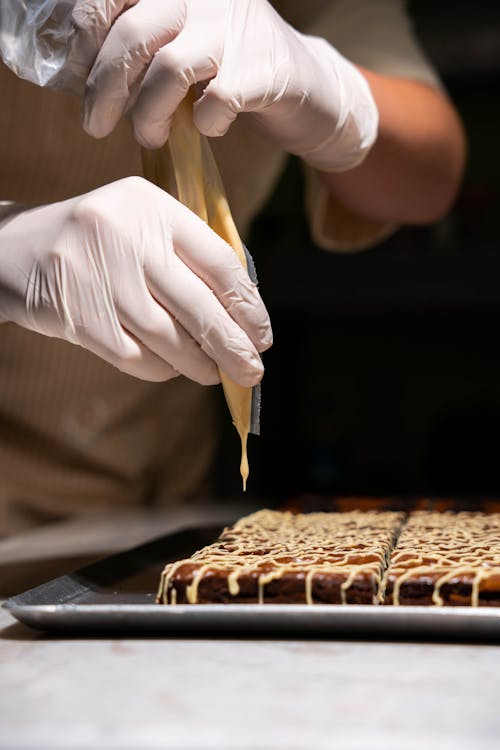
(448, 559)
(281, 557)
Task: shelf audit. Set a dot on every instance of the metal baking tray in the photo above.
(117, 596)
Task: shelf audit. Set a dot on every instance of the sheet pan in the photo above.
(116, 596)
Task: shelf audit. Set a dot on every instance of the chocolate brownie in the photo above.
(281, 557)
(450, 559)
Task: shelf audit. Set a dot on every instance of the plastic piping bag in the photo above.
(185, 167)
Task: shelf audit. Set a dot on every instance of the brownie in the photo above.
(285, 558)
(450, 559)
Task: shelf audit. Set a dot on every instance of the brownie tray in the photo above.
(116, 596)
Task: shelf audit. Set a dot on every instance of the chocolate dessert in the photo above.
(285, 558)
(450, 559)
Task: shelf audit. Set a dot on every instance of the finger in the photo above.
(154, 327)
(175, 68)
(122, 350)
(232, 92)
(133, 40)
(216, 264)
(216, 109)
(199, 312)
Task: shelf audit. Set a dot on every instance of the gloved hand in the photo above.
(301, 93)
(131, 274)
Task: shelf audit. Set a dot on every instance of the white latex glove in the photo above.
(129, 273)
(301, 93)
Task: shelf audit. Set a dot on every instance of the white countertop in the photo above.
(74, 693)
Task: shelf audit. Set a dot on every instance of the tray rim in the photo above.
(283, 621)
(183, 609)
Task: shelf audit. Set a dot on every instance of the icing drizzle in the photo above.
(445, 548)
(269, 544)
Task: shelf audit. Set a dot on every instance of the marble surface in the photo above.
(239, 694)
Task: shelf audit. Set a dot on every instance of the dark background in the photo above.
(385, 373)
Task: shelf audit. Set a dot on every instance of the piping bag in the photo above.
(185, 167)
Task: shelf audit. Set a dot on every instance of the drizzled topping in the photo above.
(456, 548)
(270, 544)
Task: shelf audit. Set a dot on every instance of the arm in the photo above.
(389, 148)
(413, 171)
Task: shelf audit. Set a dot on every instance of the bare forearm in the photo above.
(413, 171)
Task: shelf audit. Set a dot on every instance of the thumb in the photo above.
(216, 109)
